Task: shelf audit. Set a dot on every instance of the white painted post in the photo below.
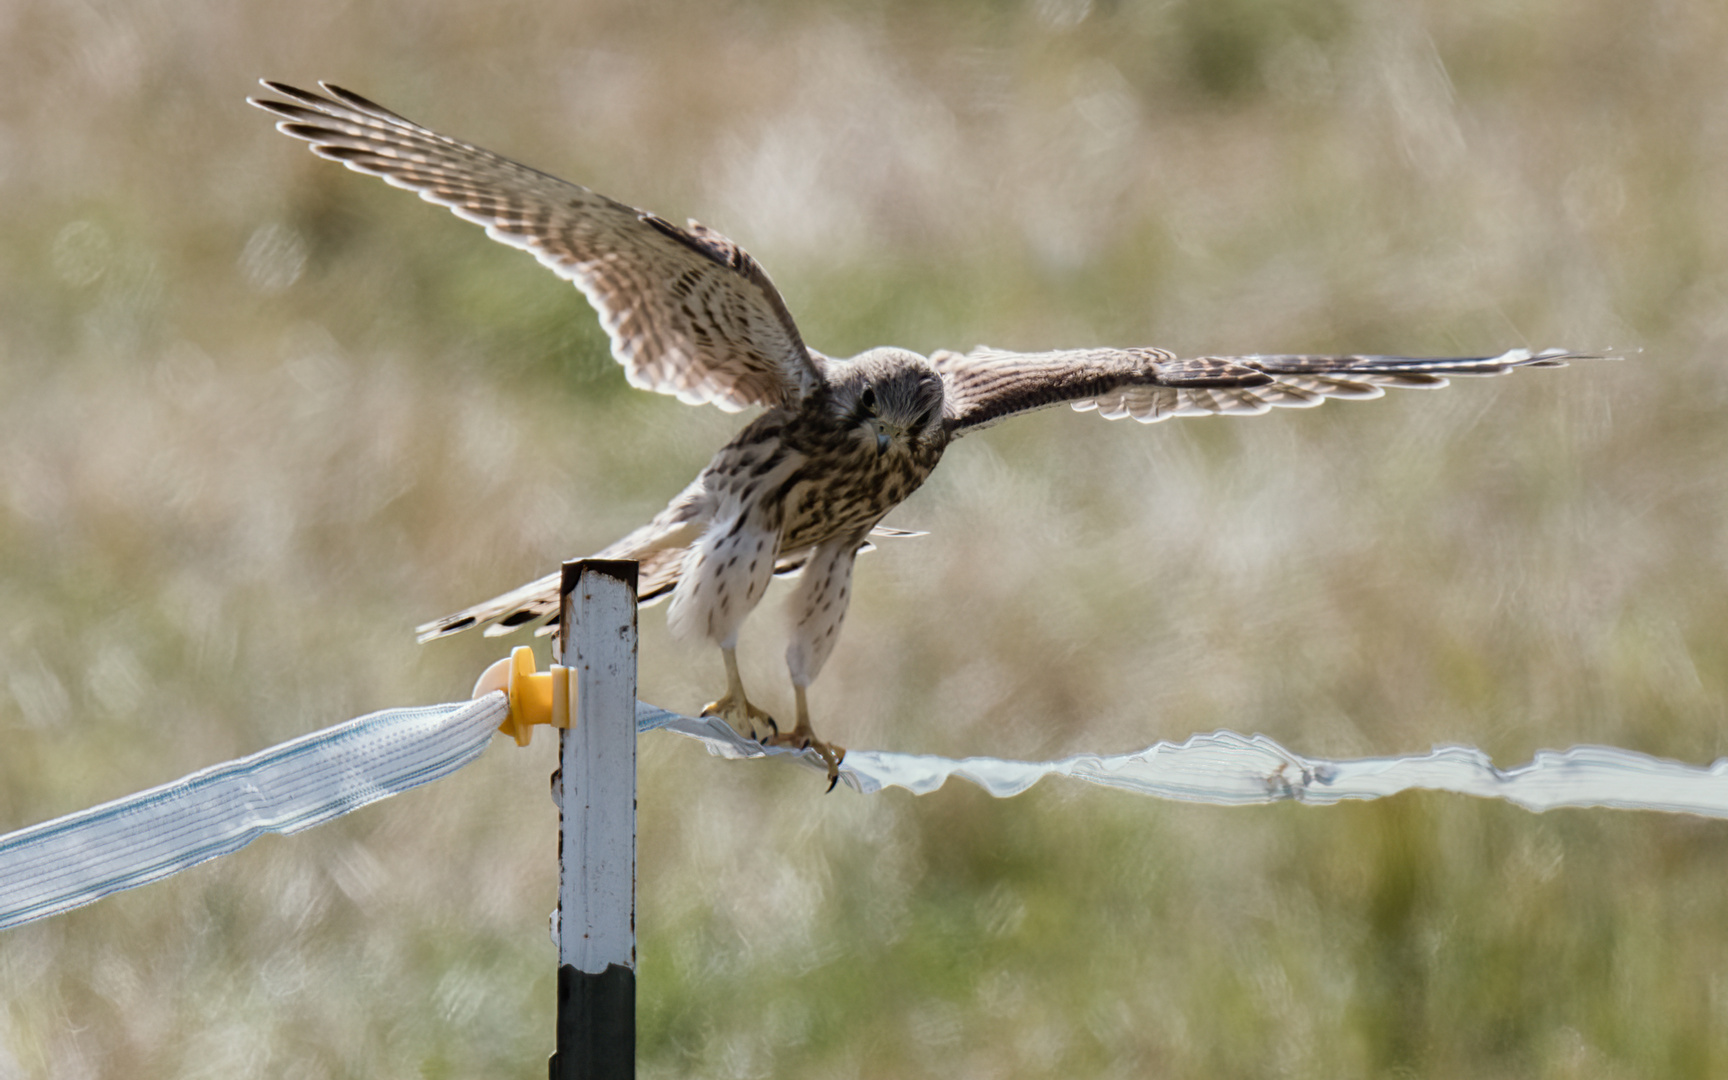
(596, 790)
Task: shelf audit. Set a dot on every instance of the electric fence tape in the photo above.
(71, 861)
(58, 865)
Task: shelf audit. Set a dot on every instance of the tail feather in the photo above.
(537, 601)
(511, 610)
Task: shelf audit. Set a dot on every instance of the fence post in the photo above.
(596, 793)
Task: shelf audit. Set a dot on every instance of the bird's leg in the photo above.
(734, 707)
(802, 737)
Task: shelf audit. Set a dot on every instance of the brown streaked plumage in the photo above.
(839, 443)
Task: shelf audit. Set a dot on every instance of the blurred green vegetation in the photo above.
(260, 416)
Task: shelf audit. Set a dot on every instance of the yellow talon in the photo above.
(742, 715)
(802, 737)
(733, 707)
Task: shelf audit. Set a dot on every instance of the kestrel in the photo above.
(838, 443)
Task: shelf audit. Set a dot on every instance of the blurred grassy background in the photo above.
(260, 416)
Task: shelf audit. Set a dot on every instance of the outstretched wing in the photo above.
(987, 385)
(689, 312)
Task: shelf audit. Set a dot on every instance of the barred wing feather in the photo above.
(689, 312)
(988, 385)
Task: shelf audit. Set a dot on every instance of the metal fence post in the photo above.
(596, 794)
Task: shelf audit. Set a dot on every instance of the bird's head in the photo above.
(892, 398)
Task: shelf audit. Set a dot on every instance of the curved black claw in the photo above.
(832, 780)
(767, 740)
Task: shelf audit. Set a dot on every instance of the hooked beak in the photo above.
(881, 442)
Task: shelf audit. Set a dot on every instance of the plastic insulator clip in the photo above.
(536, 697)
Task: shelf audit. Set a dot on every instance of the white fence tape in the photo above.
(1239, 770)
(62, 864)
(71, 861)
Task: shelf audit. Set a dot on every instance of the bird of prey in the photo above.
(838, 443)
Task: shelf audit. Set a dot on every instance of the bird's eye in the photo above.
(867, 400)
